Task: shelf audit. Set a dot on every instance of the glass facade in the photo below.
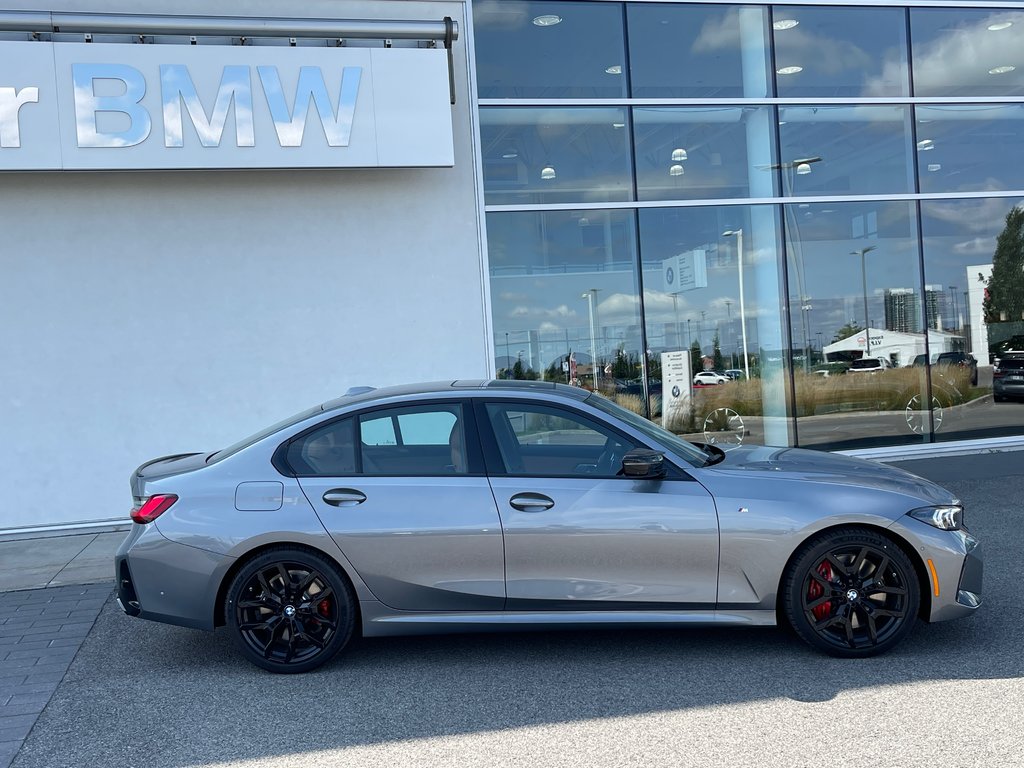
(794, 224)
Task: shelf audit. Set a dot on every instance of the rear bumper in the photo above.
(1008, 388)
(165, 581)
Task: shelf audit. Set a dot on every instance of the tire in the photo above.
(281, 625)
(851, 593)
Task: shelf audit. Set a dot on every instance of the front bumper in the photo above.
(953, 568)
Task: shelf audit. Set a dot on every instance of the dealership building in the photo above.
(216, 215)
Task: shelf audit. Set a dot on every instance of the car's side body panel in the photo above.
(424, 543)
(614, 542)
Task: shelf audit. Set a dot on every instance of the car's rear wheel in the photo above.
(851, 592)
(290, 610)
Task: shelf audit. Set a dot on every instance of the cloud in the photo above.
(510, 296)
(718, 34)
(963, 56)
(561, 311)
(830, 55)
(981, 216)
(978, 246)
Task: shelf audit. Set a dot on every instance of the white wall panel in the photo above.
(149, 313)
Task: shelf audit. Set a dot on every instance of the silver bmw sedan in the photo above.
(489, 505)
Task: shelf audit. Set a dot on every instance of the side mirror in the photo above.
(642, 463)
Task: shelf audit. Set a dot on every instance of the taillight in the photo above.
(153, 507)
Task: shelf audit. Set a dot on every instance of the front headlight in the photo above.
(948, 518)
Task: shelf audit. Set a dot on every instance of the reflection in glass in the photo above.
(711, 294)
(549, 50)
(91, 108)
(968, 148)
(703, 152)
(857, 323)
(973, 260)
(698, 51)
(838, 52)
(838, 150)
(555, 155)
(960, 52)
(565, 299)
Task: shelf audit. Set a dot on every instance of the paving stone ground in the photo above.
(41, 630)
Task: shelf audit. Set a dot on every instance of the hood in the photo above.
(821, 467)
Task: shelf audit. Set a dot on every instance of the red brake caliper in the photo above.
(324, 606)
(815, 590)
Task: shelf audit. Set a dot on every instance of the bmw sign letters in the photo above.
(79, 106)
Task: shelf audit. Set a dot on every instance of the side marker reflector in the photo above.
(935, 576)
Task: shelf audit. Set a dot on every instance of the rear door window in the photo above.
(419, 440)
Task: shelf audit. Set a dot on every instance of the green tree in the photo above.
(654, 366)
(1004, 296)
(847, 331)
(695, 355)
(625, 366)
(554, 372)
(716, 353)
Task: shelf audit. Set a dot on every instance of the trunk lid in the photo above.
(165, 466)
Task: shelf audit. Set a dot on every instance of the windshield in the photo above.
(682, 448)
(867, 363)
(253, 439)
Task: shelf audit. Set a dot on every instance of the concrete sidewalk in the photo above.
(58, 560)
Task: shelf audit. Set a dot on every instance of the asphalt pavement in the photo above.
(148, 695)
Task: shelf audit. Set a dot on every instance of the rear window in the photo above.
(1012, 364)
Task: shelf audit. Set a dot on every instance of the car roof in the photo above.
(459, 386)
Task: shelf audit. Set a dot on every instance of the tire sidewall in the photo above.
(812, 552)
(339, 586)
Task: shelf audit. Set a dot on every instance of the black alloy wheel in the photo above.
(290, 610)
(852, 592)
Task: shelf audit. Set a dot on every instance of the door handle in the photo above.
(344, 497)
(531, 502)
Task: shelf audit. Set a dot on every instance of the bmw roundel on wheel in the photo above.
(485, 505)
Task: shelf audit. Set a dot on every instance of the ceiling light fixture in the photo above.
(547, 20)
(615, 69)
(782, 24)
(934, 167)
(788, 70)
(678, 155)
(676, 170)
(999, 25)
(1001, 70)
(803, 169)
(547, 172)
(618, 125)
(510, 154)
(925, 144)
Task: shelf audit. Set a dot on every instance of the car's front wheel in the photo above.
(290, 610)
(851, 592)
